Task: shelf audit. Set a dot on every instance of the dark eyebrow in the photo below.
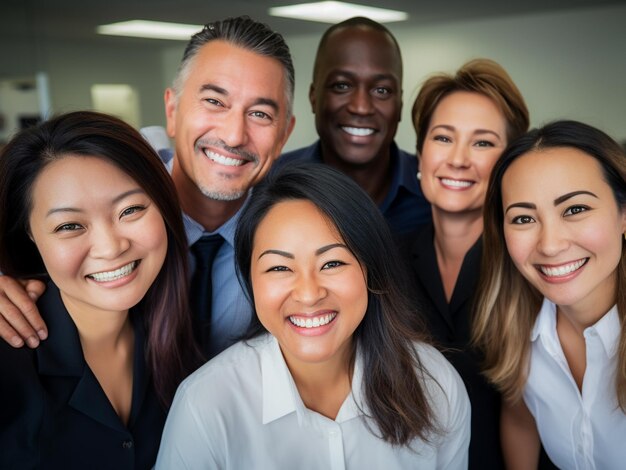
(557, 201)
(277, 252)
(115, 200)
(215, 88)
(318, 252)
(523, 205)
(259, 101)
(326, 248)
(567, 196)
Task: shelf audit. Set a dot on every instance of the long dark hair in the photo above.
(170, 348)
(508, 304)
(393, 385)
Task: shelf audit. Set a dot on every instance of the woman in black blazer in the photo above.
(85, 203)
(463, 123)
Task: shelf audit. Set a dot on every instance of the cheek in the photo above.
(519, 245)
(61, 258)
(268, 300)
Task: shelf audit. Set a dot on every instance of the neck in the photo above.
(374, 177)
(209, 213)
(99, 330)
(590, 310)
(455, 234)
(324, 386)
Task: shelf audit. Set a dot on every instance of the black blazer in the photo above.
(54, 413)
(450, 327)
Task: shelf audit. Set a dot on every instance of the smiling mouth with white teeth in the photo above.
(314, 322)
(358, 131)
(108, 276)
(456, 183)
(563, 270)
(222, 160)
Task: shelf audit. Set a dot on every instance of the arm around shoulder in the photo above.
(19, 318)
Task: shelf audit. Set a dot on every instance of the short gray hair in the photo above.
(244, 32)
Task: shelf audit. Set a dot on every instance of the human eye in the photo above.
(382, 91)
(442, 138)
(132, 210)
(340, 86)
(484, 143)
(573, 210)
(333, 264)
(522, 219)
(68, 227)
(214, 102)
(278, 269)
(261, 115)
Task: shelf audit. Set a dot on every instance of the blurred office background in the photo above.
(567, 56)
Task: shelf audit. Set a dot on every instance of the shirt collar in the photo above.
(227, 230)
(608, 327)
(280, 394)
(545, 324)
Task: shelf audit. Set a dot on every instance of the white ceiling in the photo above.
(42, 20)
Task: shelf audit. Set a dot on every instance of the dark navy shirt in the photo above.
(404, 207)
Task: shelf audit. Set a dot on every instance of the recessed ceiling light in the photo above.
(334, 12)
(150, 29)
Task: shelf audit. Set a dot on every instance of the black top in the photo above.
(450, 327)
(54, 413)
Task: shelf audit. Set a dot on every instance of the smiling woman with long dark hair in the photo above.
(87, 204)
(332, 375)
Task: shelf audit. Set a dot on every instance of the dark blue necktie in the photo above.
(204, 251)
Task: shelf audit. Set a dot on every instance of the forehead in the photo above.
(552, 171)
(359, 48)
(474, 108)
(237, 70)
(75, 176)
(295, 220)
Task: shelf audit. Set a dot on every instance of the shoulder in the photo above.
(237, 367)
(304, 154)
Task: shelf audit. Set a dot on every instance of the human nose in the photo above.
(360, 101)
(552, 239)
(107, 242)
(308, 290)
(233, 131)
(458, 156)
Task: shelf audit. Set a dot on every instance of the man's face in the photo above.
(356, 95)
(229, 121)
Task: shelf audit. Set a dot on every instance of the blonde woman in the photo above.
(552, 300)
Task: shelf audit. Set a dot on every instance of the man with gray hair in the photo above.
(229, 112)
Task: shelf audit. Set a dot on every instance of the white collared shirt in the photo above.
(578, 431)
(242, 410)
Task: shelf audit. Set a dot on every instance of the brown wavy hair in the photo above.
(482, 76)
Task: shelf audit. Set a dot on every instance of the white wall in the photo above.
(567, 65)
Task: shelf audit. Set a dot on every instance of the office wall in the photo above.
(73, 68)
(568, 65)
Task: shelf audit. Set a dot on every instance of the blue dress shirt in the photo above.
(230, 311)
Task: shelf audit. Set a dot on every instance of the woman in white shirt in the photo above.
(554, 271)
(341, 380)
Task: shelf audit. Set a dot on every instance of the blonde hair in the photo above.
(507, 304)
